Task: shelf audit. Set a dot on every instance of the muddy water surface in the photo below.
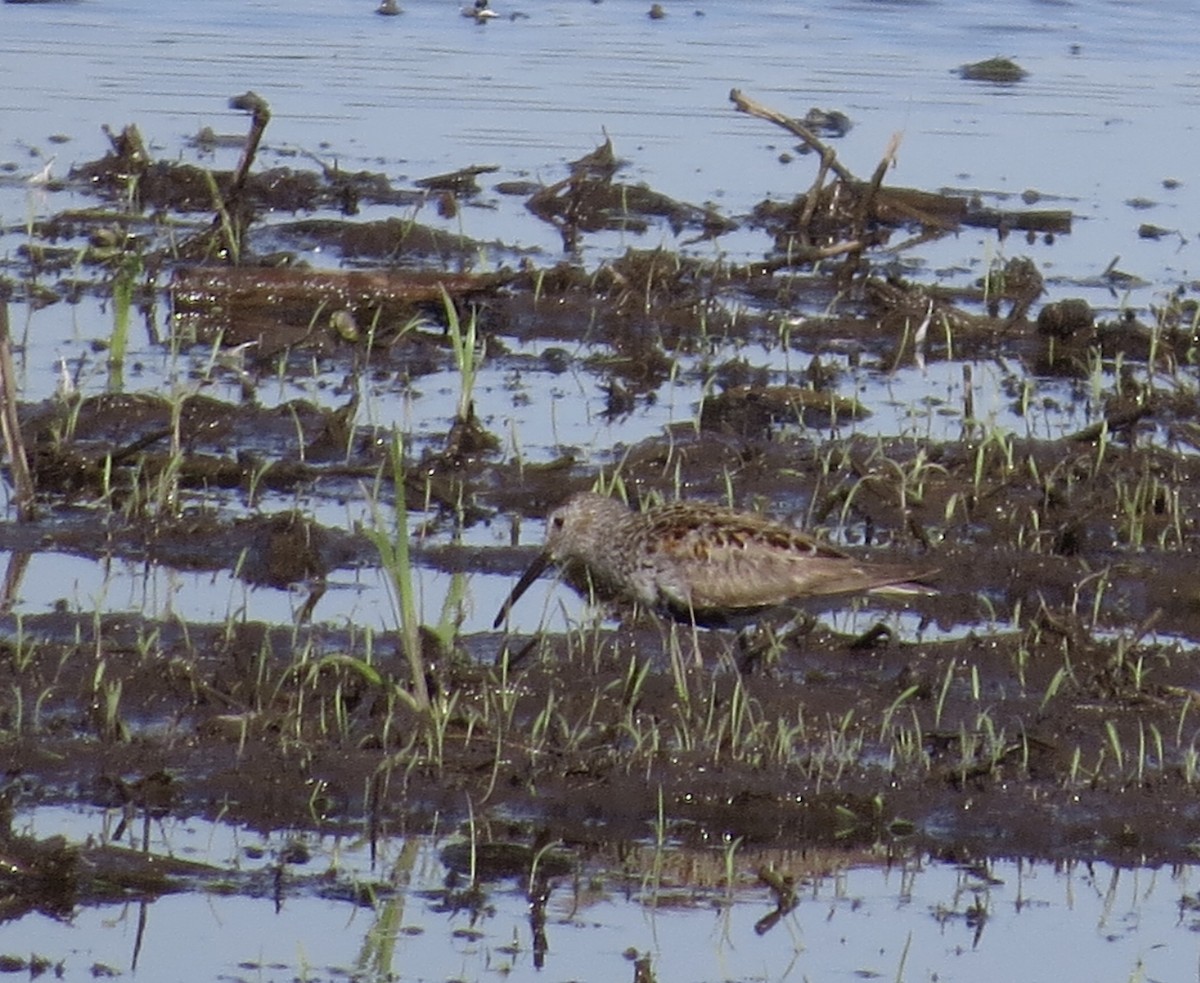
(198, 626)
(300, 904)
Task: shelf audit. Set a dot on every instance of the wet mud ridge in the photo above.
(1042, 701)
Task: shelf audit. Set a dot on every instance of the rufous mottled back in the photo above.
(698, 561)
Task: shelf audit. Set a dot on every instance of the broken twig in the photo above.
(796, 128)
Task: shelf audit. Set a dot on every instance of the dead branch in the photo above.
(747, 105)
(868, 196)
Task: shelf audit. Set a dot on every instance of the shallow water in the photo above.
(915, 918)
(1103, 118)
(1106, 116)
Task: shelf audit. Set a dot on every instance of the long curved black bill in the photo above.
(528, 577)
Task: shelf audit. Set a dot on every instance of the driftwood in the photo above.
(828, 158)
(834, 219)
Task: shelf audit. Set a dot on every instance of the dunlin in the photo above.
(699, 562)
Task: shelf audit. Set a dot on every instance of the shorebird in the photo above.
(699, 563)
(480, 11)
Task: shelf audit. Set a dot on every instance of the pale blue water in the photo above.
(1107, 114)
(856, 919)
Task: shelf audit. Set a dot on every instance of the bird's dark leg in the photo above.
(762, 644)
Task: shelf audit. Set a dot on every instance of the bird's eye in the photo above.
(557, 522)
